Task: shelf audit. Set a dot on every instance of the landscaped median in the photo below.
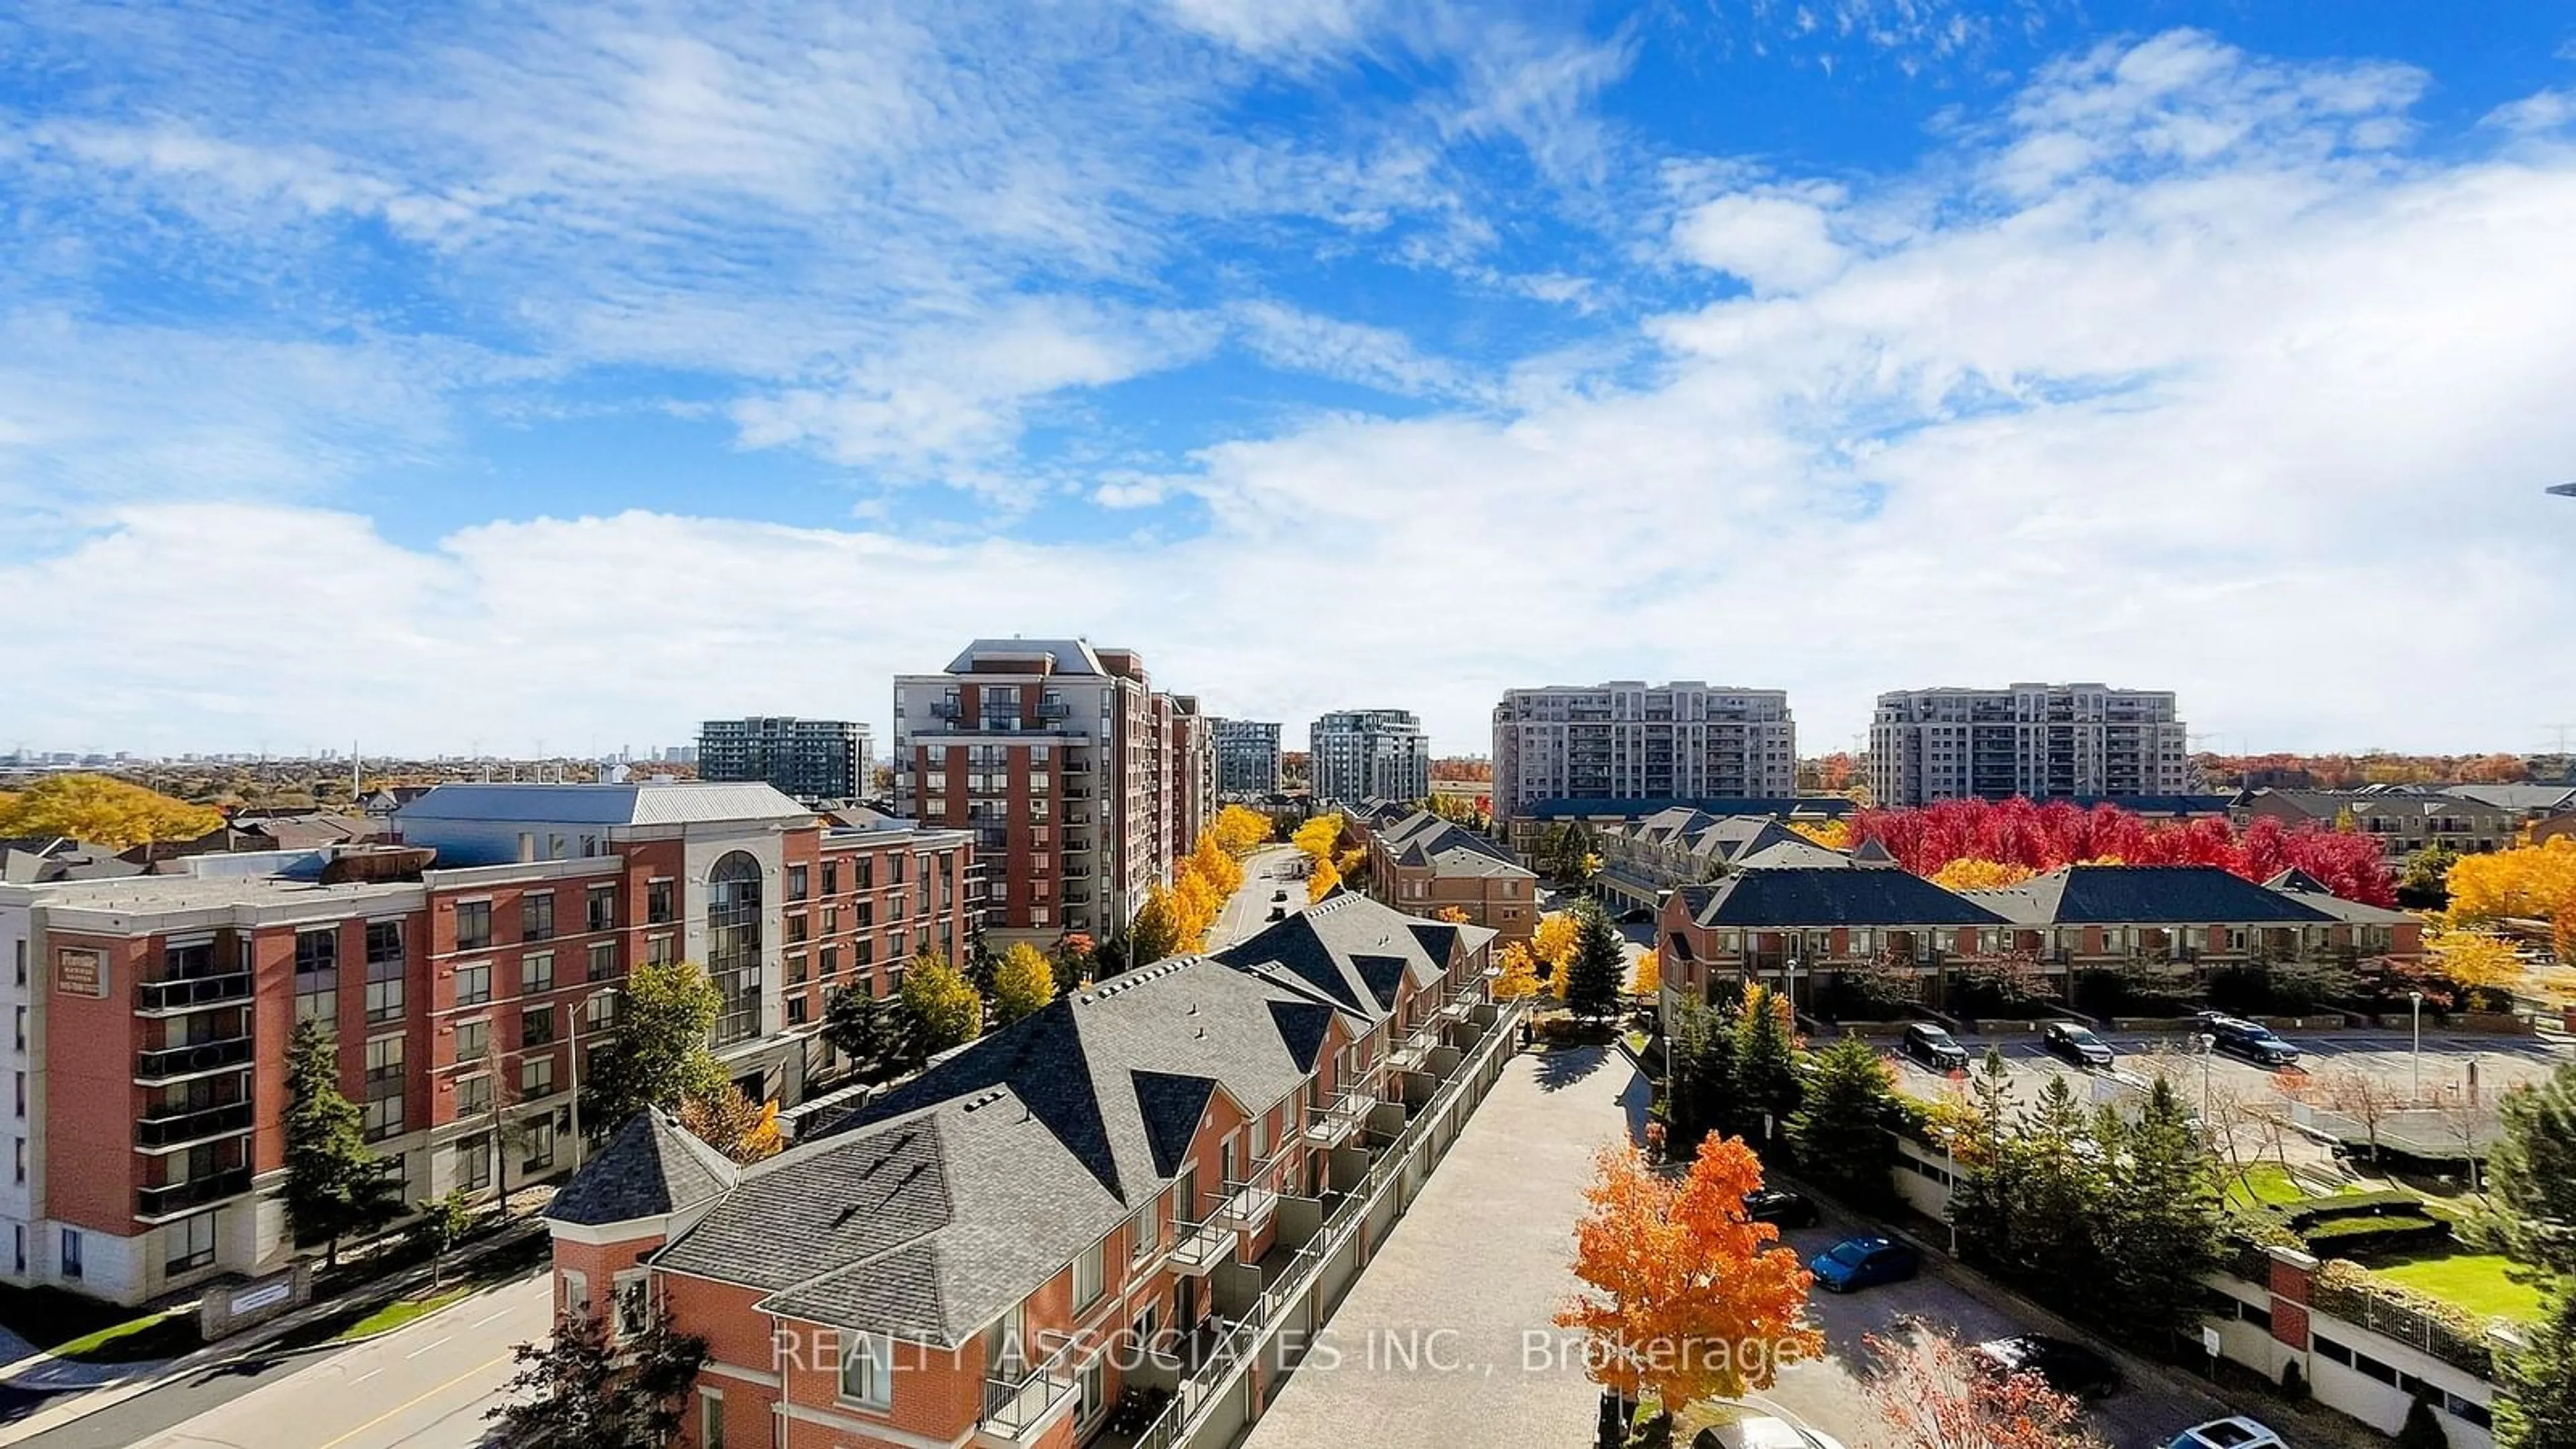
(64, 1325)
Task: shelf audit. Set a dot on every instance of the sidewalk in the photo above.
(113, 1384)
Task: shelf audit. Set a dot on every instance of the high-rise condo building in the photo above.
(1629, 740)
(1369, 754)
(811, 759)
(1247, 757)
(2040, 740)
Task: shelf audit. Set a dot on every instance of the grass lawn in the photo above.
(404, 1310)
(70, 1326)
(2473, 1281)
(2267, 1183)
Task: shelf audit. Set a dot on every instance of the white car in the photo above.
(2238, 1433)
(1761, 1431)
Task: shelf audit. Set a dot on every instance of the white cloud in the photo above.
(1377, 357)
(2536, 114)
(1270, 27)
(1776, 243)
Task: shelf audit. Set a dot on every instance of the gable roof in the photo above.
(1570, 807)
(677, 803)
(2182, 895)
(1815, 896)
(1788, 854)
(651, 1167)
(2310, 891)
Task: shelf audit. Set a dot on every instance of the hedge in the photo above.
(2354, 1237)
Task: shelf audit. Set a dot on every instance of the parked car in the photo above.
(1934, 1047)
(2067, 1367)
(2255, 1043)
(1279, 895)
(1761, 1431)
(1278, 913)
(1780, 1208)
(2232, 1433)
(1634, 915)
(2076, 1044)
(1857, 1263)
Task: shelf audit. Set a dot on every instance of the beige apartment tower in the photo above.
(1629, 740)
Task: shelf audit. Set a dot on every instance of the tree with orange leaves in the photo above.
(1686, 1299)
(1454, 915)
(1932, 1393)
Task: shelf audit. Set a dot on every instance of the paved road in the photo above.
(424, 1387)
(1267, 871)
(1480, 1261)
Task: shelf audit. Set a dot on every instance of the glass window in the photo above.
(657, 902)
(603, 959)
(189, 1243)
(474, 1156)
(473, 1097)
(473, 988)
(537, 1026)
(602, 903)
(537, 916)
(536, 972)
(536, 1078)
(661, 950)
(540, 1146)
(384, 1107)
(473, 1040)
(710, 1419)
(317, 951)
(867, 1376)
(796, 882)
(71, 1264)
(473, 925)
(831, 877)
(733, 950)
(1090, 1277)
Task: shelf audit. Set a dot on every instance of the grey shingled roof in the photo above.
(2310, 891)
(932, 1210)
(2181, 895)
(677, 803)
(650, 1168)
(1812, 896)
(1064, 656)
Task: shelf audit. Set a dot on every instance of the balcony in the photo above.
(1201, 1246)
(1413, 1056)
(944, 709)
(191, 993)
(1247, 1206)
(1076, 792)
(184, 1127)
(1053, 711)
(196, 1192)
(191, 1060)
(1339, 1120)
(1020, 1407)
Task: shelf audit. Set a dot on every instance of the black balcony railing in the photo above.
(192, 1126)
(181, 1061)
(944, 709)
(153, 1202)
(189, 992)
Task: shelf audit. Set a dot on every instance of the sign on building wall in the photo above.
(80, 971)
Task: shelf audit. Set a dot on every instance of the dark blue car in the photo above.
(1856, 1263)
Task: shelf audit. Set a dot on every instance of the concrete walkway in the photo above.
(1448, 1338)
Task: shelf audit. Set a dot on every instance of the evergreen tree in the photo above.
(2058, 1191)
(1701, 1093)
(2537, 1409)
(1840, 1129)
(2531, 1173)
(2160, 1222)
(872, 1031)
(1981, 1197)
(580, 1390)
(335, 1185)
(657, 1052)
(2423, 1427)
(1766, 1062)
(1599, 969)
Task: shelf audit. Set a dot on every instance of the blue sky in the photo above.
(466, 373)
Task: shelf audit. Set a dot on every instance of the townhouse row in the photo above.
(1111, 1223)
(464, 972)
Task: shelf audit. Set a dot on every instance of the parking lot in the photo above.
(2448, 1063)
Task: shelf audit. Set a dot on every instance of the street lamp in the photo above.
(1950, 1205)
(573, 1052)
(2415, 1006)
(2208, 1053)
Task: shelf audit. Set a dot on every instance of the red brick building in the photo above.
(457, 973)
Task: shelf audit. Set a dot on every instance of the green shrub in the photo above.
(2353, 1237)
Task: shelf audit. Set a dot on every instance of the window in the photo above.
(867, 1371)
(602, 903)
(72, 1254)
(540, 1144)
(384, 1108)
(864, 873)
(473, 987)
(631, 1304)
(317, 976)
(831, 962)
(537, 916)
(20, 1144)
(599, 1012)
(473, 1040)
(537, 1026)
(536, 973)
(1149, 1230)
(799, 1010)
(796, 882)
(603, 959)
(576, 1294)
(1094, 1394)
(21, 954)
(661, 950)
(657, 902)
(473, 1094)
(1090, 1277)
(474, 1156)
(22, 1095)
(189, 1243)
(733, 945)
(385, 970)
(831, 877)
(536, 1078)
(710, 1419)
(473, 925)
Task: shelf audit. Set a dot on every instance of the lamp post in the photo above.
(2415, 1007)
(2208, 1054)
(1950, 1205)
(573, 1053)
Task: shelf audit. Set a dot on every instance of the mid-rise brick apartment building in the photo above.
(2045, 741)
(1080, 784)
(1424, 865)
(1164, 1182)
(1628, 740)
(457, 970)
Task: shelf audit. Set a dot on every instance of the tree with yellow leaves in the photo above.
(1968, 873)
(1831, 834)
(1554, 941)
(729, 1121)
(1520, 973)
(1319, 837)
(2475, 959)
(1211, 862)
(2531, 882)
(1023, 983)
(1194, 909)
(102, 811)
(1649, 977)
(1454, 915)
(1322, 882)
(1685, 1299)
(1240, 831)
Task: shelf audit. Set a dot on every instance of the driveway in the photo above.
(1266, 872)
(1448, 1337)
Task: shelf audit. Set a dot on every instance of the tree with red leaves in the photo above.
(2043, 837)
(1932, 1393)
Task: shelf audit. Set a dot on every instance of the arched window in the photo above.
(733, 945)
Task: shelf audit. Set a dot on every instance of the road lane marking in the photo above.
(412, 1403)
(489, 1317)
(362, 1378)
(426, 1347)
